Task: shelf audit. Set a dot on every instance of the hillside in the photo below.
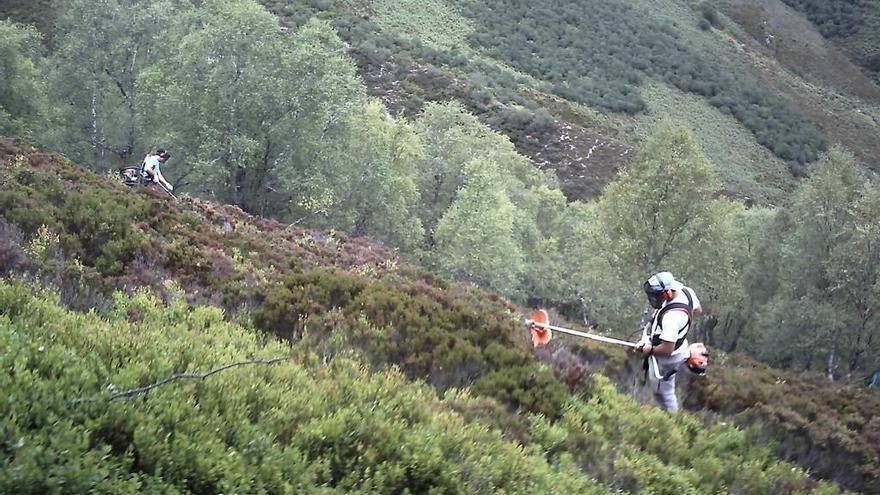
(381, 189)
(766, 86)
(798, 83)
(389, 377)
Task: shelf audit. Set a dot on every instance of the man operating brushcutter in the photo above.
(150, 171)
(664, 340)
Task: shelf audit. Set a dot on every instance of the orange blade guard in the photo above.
(540, 336)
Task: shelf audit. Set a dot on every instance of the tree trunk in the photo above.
(829, 369)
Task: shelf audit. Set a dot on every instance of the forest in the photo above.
(292, 134)
(270, 116)
(194, 348)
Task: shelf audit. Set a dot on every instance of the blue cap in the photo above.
(663, 281)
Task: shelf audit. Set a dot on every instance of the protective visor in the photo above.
(655, 297)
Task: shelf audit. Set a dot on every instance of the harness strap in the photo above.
(676, 306)
(647, 365)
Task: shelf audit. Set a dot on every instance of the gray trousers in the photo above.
(664, 388)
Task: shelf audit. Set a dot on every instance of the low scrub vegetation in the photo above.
(142, 398)
(348, 313)
(564, 45)
(834, 430)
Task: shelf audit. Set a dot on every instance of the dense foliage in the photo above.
(306, 423)
(39, 13)
(19, 76)
(816, 265)
(662, 212)
(834, 430)
(371, 308)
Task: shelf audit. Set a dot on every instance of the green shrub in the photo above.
(710, 15)
(823, 426)
(283, 428)
(431, 336)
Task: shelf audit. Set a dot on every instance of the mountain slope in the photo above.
(346, 306)
(577, 110)
(801, 79)
(789, 54)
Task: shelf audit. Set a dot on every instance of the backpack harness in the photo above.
(146, 178)
(682, 334)
(676, 306)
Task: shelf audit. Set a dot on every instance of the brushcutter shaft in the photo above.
(581, 334)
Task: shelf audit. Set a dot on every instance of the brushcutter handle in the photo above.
(166, 190)
(600, 338)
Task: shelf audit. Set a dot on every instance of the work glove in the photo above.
(170, 187)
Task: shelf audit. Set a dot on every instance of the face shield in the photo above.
(655, 297)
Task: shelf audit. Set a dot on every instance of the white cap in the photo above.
(664, 281)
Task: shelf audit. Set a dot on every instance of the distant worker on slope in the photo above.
(664, 340)
(150, 172)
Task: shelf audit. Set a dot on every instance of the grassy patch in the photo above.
(433, 22)
(747, 169)
(566, 45)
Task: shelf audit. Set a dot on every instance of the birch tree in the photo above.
(22, 92)
(662, 213)
(823, 312)
(475, 238)
(258, 112)
(103, 47)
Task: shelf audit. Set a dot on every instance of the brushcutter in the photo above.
(166, 190)
(541, 330)
(538, 323)
(131, 176)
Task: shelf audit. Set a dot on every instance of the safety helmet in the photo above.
(699, 358)
(163, 154)
(657, 285)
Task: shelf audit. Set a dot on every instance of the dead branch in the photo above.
(134, 392)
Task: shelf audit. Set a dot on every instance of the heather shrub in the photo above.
(827, 427)
(94, 225)
(645, 450)
(283, 428)
(430, 335)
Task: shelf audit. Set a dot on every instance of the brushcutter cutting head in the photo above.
(540, 336)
